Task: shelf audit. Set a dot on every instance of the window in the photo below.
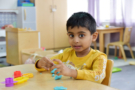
(109, 10)
(104, 8)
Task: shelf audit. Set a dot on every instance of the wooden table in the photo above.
(45, 81)
(103, 31)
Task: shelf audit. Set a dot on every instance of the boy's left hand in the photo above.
(63, 69)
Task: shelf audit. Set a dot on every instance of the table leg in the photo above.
(101, 42)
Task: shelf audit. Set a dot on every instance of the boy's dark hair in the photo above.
(82, 19)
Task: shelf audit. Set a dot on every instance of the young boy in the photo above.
(80, 61)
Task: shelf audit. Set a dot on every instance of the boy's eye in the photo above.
(71, 35)
(81, 35)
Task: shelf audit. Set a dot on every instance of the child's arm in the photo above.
(41, 64)
(97, 74)
(60, 56)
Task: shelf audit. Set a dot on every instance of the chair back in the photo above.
(109, 68)
(127, 35)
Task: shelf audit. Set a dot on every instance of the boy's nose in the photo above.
(76, 39)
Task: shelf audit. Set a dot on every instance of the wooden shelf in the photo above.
(12, 10)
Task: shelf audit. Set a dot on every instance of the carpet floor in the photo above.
(125, 79)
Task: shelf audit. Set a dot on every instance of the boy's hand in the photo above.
(63, 69)
(45, 63)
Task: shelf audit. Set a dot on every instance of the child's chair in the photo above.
(109, 68)
(120, 44)
(95, 45)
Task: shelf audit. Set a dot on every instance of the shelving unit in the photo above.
(2, 43)
(11, 6)
(14, 10)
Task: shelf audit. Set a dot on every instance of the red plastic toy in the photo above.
(120, 57)
(17, 74)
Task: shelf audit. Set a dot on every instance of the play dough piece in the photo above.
(60, 88)
(58, 77)
(53, 70)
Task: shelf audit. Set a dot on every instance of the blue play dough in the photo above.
(58, 77)
(53, 75)
(60, 88)
(58, 72)
(53, 70)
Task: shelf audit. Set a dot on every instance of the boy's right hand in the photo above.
(45, 63)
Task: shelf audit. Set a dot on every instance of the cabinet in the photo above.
(17, 40)
(26, 17)
(51, 22)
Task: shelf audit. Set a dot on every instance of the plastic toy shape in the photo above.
(115, 58)
(58, 77)
(20, 80)
(53, 70)
(115, 69)
(30, 75)
(53, 75)
(120, 57)
(17, 74)
(60, 88)
(9, 82)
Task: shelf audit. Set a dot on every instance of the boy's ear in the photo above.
(94, 36)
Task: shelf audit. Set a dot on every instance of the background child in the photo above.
(80, 61)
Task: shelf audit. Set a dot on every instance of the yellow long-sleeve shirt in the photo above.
(90, 67)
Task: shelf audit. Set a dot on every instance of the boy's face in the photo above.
(80, 38)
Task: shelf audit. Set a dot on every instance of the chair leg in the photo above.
(120, 53)
(130, 50)
(115, 53)
(95, 45)
(123, 53)
(107, 50)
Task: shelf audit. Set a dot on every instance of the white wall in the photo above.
(76, 6)
(8, 4)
